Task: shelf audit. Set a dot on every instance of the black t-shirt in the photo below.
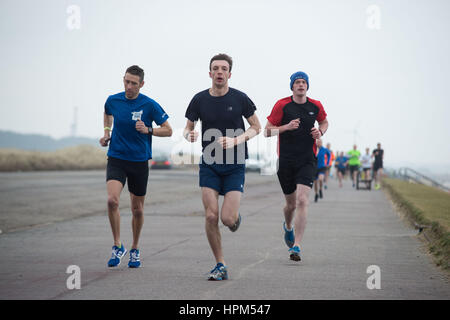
(378, 155)
(221, 116)
(297, 145)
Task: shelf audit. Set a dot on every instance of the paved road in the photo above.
(347, 232)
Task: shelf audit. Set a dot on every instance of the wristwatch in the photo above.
(150, 130)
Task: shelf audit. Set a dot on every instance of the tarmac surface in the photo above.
(53, 220)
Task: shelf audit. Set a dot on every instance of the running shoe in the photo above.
(295, 253)
(320, 194)
(316, 197)
(220, 272)
(117, 255)
(235, 226)
(289, 236)
(135, 258)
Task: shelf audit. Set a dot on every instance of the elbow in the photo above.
(169, 132)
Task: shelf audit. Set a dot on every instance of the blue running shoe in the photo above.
(234, 227)
(220, 272)
(135, 258)
(295, 253)
(117, 255)
(289, 236)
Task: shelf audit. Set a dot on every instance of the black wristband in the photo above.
(150, 130)
(321, 133)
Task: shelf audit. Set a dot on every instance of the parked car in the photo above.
(161, 162)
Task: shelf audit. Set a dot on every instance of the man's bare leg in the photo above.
(230, 208)
(137, 221)
(210, 198)
(302, 202)
(114, 188)
(289, 209)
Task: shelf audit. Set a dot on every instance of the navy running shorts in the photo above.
(222, 177)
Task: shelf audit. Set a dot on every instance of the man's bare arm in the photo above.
(164, 130)
(272, 130)
(189, 133)
(107, 127)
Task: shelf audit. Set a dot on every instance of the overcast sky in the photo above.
(380, 68)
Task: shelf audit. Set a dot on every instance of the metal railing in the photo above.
(411, 175)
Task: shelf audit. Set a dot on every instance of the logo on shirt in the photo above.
(311, 113)
(230, 108)
(136, 115)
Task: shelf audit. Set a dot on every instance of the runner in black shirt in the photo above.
(293, 119)
(220, 110)
(378, 155)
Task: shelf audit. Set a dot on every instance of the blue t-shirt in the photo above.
(341, 162)
(321, 157)
(221, 116)
(126, 142)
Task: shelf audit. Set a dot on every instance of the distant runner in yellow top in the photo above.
(354, 163)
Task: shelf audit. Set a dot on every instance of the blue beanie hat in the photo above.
(299, 75)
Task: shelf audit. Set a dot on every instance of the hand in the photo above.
(140, 126)
(227, 142)
(191, 136)
(104, 141)
(315, 133)
(293, 125)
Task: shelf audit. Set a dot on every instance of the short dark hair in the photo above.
(136, 71)
(221, 56)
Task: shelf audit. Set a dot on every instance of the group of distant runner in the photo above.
(347, 164)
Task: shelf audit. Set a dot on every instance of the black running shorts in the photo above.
(135, 172)
(353, 168)
(377, 166)
(290, 173)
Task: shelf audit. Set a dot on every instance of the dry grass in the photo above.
(83, 157)
(429, 207)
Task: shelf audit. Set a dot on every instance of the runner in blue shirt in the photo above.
(341, 162)
(323, 161)
(129, 116)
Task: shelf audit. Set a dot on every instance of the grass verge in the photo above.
(83, 157)
(428, 208)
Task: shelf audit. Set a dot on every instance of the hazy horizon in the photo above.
(379, 67)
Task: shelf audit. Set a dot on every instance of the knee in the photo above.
(302, 202)
(227, 219)
(290, 206)
(137, 211)
(113, 202)
(212, 216)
